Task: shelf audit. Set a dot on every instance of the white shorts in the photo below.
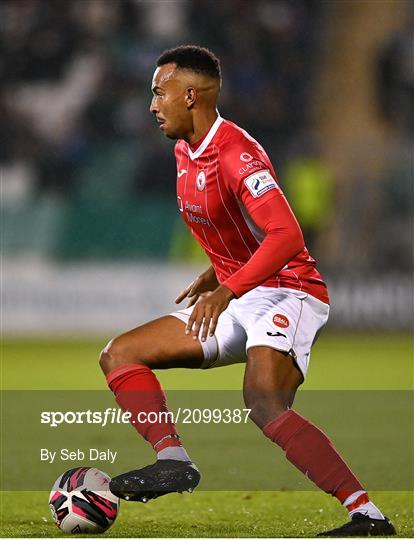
(283, 319)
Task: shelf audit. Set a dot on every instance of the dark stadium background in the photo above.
(88, 181)
(92, 242)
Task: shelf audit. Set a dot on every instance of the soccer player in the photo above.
(262, 301)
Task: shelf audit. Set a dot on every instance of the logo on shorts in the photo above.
(281, 321)
(276, 334)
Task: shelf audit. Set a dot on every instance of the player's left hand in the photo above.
(207, 311)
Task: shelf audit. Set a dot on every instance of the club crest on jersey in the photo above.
(280, 320)
(244, 156)
(201, 180)
(260, 182)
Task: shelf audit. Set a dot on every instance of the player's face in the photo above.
(169, 102)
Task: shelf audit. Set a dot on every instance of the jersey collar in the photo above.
(213, 130)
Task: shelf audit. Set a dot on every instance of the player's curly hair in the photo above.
(194, 58)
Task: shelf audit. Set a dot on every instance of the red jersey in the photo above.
(228, 195)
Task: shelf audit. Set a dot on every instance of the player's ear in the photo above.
(190, 96)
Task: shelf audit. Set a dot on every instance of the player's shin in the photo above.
(312, 452)
(137, 390)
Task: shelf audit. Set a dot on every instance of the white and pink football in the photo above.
(81, 503)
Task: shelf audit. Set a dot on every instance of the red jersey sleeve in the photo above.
(248, 173)
(257, 190)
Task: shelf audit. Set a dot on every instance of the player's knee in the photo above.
(116, 354)
(107, 359)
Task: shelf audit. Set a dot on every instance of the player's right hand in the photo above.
(207, 281)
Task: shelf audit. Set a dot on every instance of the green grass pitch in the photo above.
(340, 361)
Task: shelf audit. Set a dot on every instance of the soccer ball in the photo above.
(80, 501)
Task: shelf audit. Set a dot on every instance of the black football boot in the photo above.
(361, 525)
(164, 476)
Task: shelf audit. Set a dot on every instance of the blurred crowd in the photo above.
(77, 83)
(74, 101)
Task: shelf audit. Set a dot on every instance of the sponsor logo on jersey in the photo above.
(244, 156)
(256, 164)
(180, 203)
(201, 180)
(180, 173)
(200, 220)
(191, 213)
(196, 208)
(260, 182)
(280, 320)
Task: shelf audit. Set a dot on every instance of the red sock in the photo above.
(137, 390)
(312, 453)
